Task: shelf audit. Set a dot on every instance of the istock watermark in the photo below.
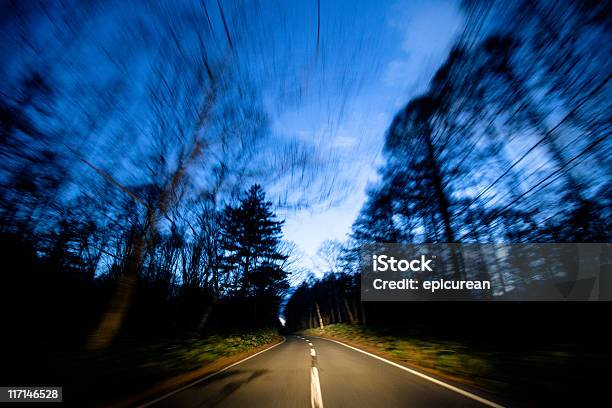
(382, 263)
(504, 272)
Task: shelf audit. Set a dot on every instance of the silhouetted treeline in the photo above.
(128, 133)
(509, 144)
(229, 280)
(113, 196)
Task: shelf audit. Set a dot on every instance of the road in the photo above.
(313, 372)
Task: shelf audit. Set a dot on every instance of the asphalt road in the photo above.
(312, 372)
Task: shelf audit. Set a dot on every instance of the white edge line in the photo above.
(316, 399)
(183, 388)
(426, 377)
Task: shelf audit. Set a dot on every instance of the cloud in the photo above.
(427, 30)
(345, 141)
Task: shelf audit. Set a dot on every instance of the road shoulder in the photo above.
(187, 379)
(433, 375)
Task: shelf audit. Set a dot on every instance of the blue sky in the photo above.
(411, 38)
(339, 98)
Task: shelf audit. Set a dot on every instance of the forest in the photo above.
(135, 208)
(510, 144)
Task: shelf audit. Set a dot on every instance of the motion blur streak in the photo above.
(168, 170)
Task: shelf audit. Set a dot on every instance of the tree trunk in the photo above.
(332, 315)
(338, 307)
(310, 325)
(348, 311)
(443, 202)
(207, 312)
(205, 316)
(363, 314)
(319, 315)
(355, 311)
(111, 321)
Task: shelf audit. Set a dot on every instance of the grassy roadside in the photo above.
(133, 371)
(518, 374)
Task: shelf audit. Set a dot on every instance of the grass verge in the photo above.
(133, 371)
(523, 375)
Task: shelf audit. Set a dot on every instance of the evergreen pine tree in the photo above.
(251, 244)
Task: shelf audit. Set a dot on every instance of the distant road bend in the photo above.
(314, 372)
